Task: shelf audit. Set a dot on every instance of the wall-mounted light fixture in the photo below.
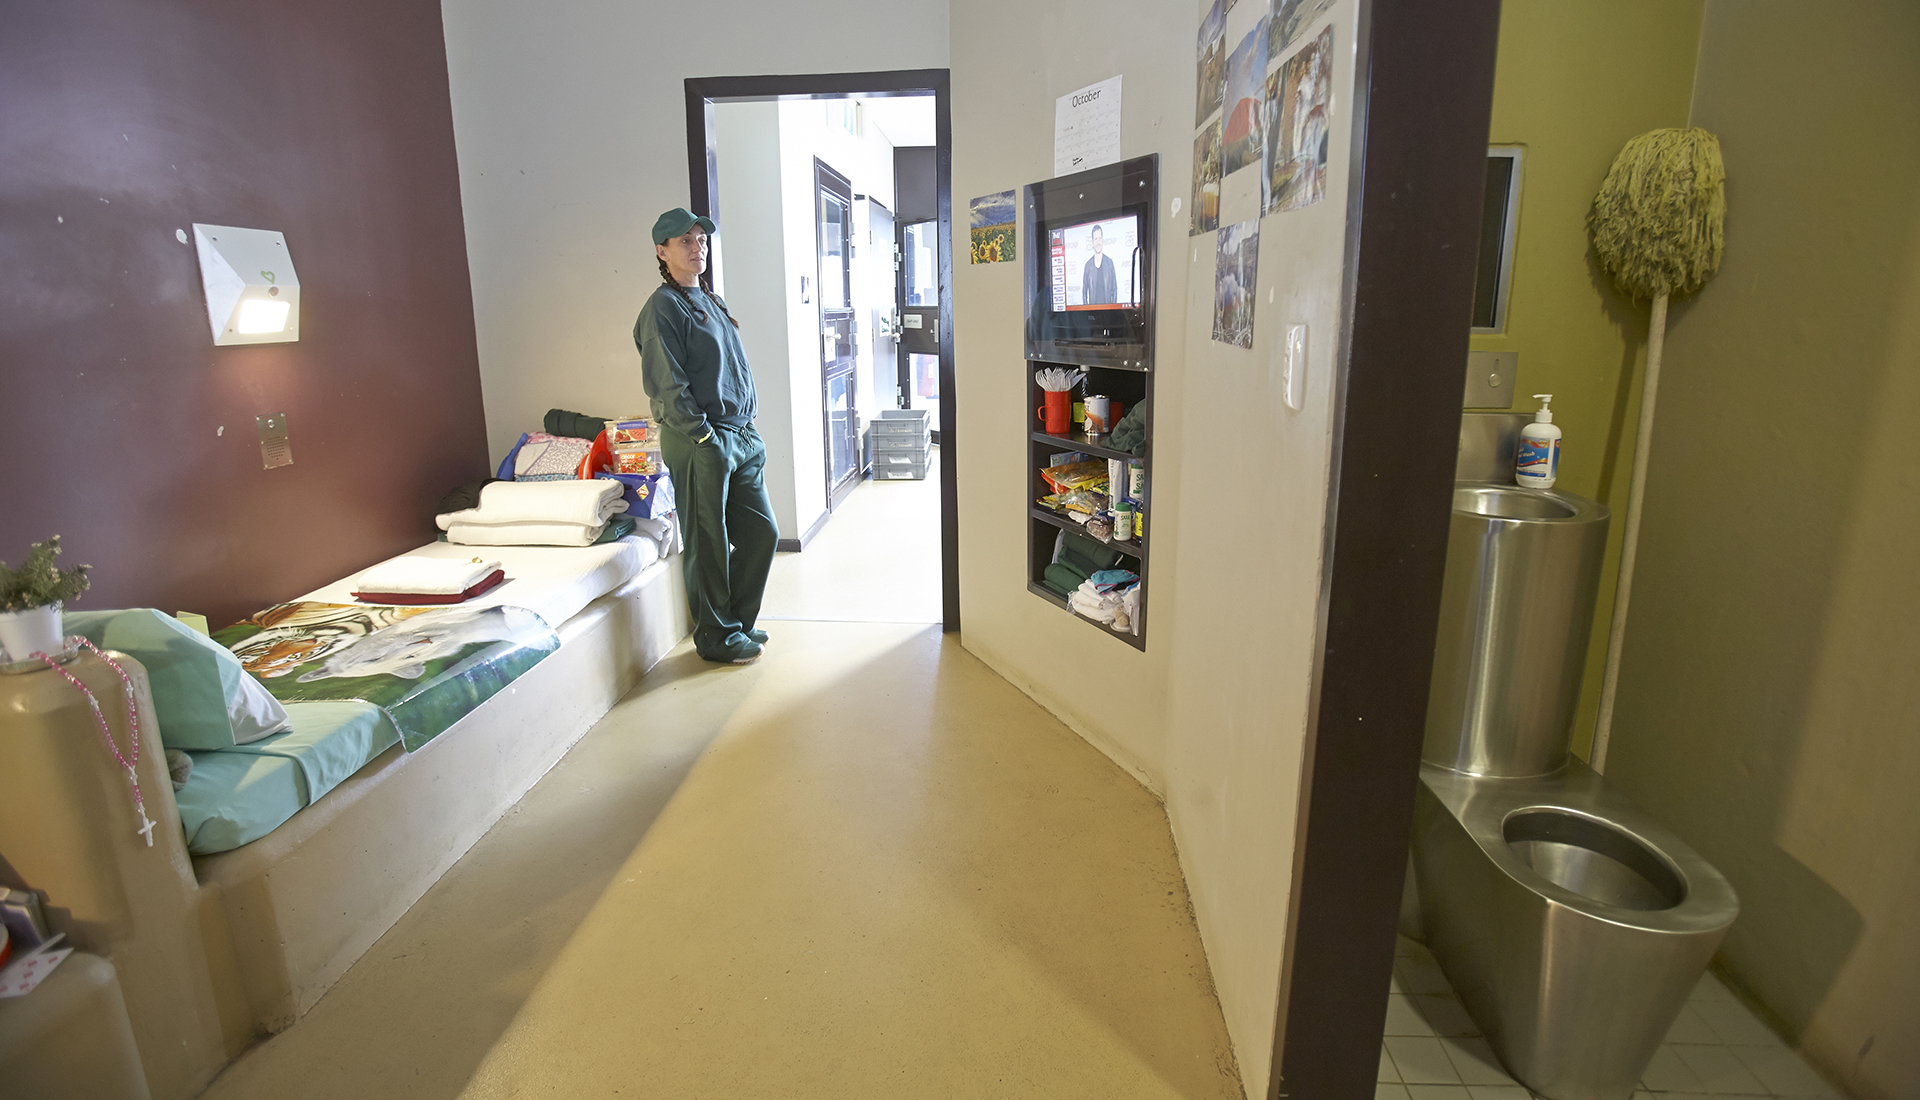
(253, 296)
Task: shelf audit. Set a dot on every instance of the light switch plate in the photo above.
(274, 448)
(1490, 379)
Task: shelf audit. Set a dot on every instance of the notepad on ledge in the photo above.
(410, 580)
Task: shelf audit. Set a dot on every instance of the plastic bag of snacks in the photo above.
(1091, 474)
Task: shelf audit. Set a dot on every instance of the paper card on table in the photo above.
(1086, 127)
(24, 973)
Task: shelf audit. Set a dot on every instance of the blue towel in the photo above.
(1109, 580)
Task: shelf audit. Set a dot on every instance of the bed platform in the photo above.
(307, 899)
(215, 950)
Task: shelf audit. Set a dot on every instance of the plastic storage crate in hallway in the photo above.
(901, 444)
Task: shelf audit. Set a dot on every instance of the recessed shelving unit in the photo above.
(1075, 227)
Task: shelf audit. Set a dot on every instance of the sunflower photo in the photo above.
(991, 219)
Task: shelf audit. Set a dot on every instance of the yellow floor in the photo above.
(865, 866)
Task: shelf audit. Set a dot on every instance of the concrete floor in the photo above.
(865, 866)
(877, 560)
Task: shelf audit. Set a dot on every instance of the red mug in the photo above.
(1054, 412)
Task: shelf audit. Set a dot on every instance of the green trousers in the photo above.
(728, 525)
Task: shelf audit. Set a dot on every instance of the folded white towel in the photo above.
(425, 576)
(589, 503)
(661, 530)
(524, 534)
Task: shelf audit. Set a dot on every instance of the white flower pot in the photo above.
(35, 630)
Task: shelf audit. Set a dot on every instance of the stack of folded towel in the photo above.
(536, 513)
(409, 580)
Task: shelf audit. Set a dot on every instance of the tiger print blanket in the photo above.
(427, 667)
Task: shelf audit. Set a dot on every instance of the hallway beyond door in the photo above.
(877, 561)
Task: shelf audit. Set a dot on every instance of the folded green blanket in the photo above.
(1062, 579)
(577, 425)
(1089, 552)
(618, 527)
(1130, 434)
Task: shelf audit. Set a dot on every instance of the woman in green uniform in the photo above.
(701, 390)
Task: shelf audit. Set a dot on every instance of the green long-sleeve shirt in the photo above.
(695, 372)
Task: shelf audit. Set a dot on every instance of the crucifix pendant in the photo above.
(146, 825)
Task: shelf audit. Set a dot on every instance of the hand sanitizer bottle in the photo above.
(1536, 462)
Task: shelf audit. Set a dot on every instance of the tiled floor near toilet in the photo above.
(1433, 1051)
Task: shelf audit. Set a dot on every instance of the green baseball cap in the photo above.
(677, 221)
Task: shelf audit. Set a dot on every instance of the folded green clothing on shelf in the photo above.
(1130, 434)
(1062, 579)
(1090, 552)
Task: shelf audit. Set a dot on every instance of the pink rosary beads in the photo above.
(146, 825)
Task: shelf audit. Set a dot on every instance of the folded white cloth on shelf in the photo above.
(662, 531)
(1119, 610)
(589, 503)
(524, 534)
(1089, 602)
(425, 576)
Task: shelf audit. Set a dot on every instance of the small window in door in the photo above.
(921, 288)
(835, 222)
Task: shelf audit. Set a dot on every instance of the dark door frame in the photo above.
(705, 189)
(1417, 173)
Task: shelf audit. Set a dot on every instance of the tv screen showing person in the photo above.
(1094, 265)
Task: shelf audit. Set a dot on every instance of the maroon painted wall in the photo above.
(124, 120)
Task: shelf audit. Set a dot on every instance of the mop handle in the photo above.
(1630, 540)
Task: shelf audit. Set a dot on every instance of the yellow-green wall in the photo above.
(1575, 79)
(1770, 687)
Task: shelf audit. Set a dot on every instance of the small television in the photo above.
(1089, 261)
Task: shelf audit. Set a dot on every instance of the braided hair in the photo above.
(706, 284)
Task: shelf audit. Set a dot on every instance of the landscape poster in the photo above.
(1241, 138)
(1234, 281)
(991, 218)
(1205, 215)
(1290, 19)
(1299, 95)
(1212, 54)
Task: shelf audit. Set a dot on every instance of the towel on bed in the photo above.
(582, 503)
(524, 534)
(425, 576)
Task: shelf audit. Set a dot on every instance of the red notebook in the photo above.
(492, 579)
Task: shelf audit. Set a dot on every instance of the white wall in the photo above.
(752, 262)
(867, 163)
(1214, 714)
(570, 123)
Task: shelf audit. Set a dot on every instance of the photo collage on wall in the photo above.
(1264, 103)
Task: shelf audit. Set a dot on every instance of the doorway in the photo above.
(852, 226)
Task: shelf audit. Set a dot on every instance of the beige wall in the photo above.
(570, 123)
(1213, 714)
(1573, 82)
(1768, 692)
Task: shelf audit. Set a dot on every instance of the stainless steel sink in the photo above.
(1515, 608)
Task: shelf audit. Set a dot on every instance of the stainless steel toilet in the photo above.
(1572, 925)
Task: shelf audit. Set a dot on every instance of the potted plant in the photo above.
(31, 598)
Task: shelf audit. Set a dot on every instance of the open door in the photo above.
(839, 378)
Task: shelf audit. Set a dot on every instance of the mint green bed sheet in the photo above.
(240, 794)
